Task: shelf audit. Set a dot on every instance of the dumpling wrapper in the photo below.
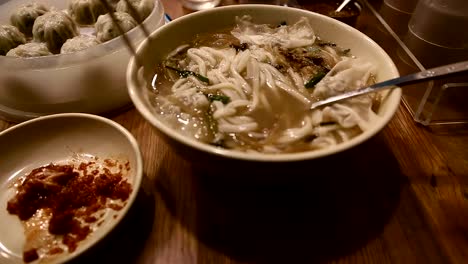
(54, 28)
(86, 12)
(24, 17)
(143, 8)
(78, 43)
(346, 118)
(10, 37)
(297, 35)
(107, 30)
(33, 49)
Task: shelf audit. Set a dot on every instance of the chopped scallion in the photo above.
(314, 80)
(185, 74)
(216, 97)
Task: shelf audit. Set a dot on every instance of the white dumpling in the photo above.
(23, 18)
(10, 37)
(142, 8)
(298, 35)
(333, 134)
(348, 74)
(78, 43)
(297, 133)
(86, 12)
(33, 49)
(355, 112)
(54, 28)
(107, 30)
(323, 142)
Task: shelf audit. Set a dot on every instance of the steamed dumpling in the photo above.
(107, 30)
(54, 28)
(86, 12)
(23, 18)
(78, 43)
(142, 7)
(33, 49)
(10, 37)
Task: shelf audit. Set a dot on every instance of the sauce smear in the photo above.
(70, 196)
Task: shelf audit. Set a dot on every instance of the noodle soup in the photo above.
(248, 88)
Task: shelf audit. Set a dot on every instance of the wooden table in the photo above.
(402, 197)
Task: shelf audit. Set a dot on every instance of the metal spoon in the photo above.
(345, 2)
(426, 75)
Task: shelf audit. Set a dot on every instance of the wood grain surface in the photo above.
(401, 197)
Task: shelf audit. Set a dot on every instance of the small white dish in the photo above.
(57, 139)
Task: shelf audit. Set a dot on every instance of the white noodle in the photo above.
(199, 62)
(229, 109)
(294, 93)
(227, 85)
(205, 55)
(177, 50)
(236, 74)
(298, 81)
(295, 134)
(234, 125)
(253, 73)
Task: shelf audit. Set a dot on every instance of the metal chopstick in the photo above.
(127, 41)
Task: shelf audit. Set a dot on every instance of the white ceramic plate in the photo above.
(61, 138)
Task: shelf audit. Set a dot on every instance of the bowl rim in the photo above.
(102, 49)
(138, 175)
(132, 72)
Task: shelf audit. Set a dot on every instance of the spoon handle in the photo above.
(417, 77)
(343, 4)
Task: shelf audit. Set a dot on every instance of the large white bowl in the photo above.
(166, 38)
(57, 139)
(90, 81)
